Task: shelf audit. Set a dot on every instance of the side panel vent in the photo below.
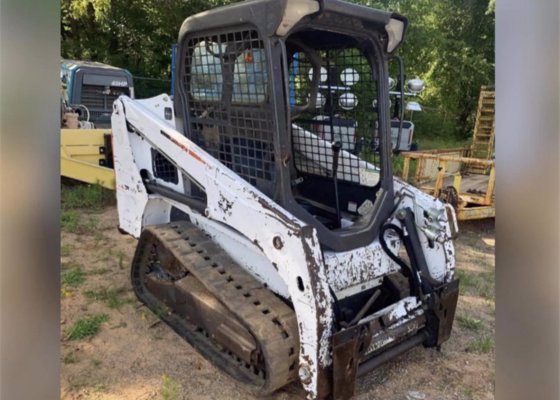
(163, 168)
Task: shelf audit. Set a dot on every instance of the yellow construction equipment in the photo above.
(88, 90)
(463, 177)
(482, 145)
(85, 155)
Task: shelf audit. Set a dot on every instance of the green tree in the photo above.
(132, 34)
(450, 44)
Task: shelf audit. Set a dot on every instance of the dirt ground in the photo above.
(133, 356)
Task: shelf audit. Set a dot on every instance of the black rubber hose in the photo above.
(407, 270)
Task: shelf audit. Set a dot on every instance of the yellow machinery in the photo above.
(445, 174)
(466, 177)
(88, 90)
(482, 145)
(85, 155)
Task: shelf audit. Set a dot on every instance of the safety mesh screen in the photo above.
(227, 84)
(163, 168)
(344, 114)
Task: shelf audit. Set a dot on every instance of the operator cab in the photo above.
(296, 106)
(336, 131)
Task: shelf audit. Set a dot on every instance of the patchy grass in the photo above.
(65, 250)
(476, 283)
(162, 311)
(438, 143)
(77, 197)
(468, 240)
(76, 383)
(73, 277)
(485, 261)
(70, 221)
(99, 271)
(73, 222)
(99, 237)
(70, 358)
(483, 344)
(114, 298)
(86, 327)
(90, 225)
(170, 388)
(120, 257)
(107, 255)
(467, 393)
(65, 292)
(491, 304)
(469, 323)
(70, 265)
(93, 197)
(121, 324)
(99, 387)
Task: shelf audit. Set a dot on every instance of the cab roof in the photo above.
(267, 15)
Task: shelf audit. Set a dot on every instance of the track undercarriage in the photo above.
(225, 313)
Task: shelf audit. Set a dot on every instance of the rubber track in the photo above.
(271, 322)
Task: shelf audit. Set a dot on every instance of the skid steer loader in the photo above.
(268, 239)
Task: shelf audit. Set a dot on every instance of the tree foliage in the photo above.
(133, 34)
(449, 44)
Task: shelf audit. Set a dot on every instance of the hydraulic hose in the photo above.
(408, 271)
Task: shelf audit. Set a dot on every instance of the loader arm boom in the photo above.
(291, 245)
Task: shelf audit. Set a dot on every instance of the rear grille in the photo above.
(95, 100)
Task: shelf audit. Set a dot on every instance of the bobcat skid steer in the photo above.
(272, 236)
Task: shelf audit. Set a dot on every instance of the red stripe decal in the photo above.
(185, 148)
